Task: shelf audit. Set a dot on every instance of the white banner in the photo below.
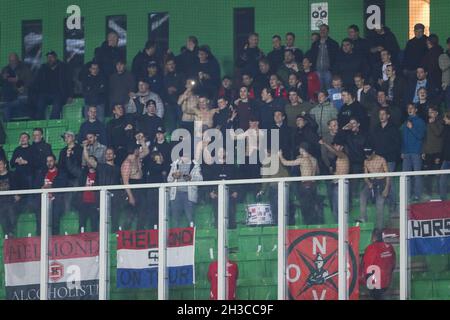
(319, 15)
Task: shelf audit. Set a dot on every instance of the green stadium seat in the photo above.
(74, 125)
(69, 223)
(19, 125)
(74, 110)
(36, 124)
(12, 135)
(57, 123)
(441, 289)
(421, 289)
(437, 263)
(242, 293)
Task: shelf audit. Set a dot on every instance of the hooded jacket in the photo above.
(412, 139)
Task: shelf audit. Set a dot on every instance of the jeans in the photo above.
(100, 112)
(179, 205)
(413, 162)
(46, 99)
(16, 108)
(325, 79)
(443, 182)
(377, 191)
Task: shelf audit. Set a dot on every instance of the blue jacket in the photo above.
(412, 139)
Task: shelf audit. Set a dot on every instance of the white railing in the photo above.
(282, 184)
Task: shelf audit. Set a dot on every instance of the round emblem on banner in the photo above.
(56, 271)
(312, 267)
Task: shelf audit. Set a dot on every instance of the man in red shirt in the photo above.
(377, 266)
(52, 178)
(87, 203)
(232, 276)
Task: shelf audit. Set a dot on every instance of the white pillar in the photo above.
(283, 192)
(342, 238)
(103, 277)
(403, 206)
(46, 227)
(222, 241)
(163, 292)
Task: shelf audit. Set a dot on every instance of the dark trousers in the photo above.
(153, 207)
(8, 216)
(355, 168)
(49, 99)
(57, 208)
(308, 204)
(89, 211)
(137, 212)
(430, 164)
(231, 213)
(117, 200)
(377, 294)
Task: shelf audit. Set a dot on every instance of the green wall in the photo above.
(210, 20)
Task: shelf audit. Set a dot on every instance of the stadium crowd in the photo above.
(363, 105)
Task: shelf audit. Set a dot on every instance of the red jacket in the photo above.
(377, 265)
(232, 276)
(313, 85)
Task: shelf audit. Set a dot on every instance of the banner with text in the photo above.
(137, 258)
(73, 267)
(429, 228)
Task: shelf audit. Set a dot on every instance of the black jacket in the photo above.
(148, 125)
(75, 159)
(116, 133)
(23, 173)
(176, 80)
(309, 135)
(97, 127)
(354, 146)
(40, 151)
(446, 143)
(387, 40)
(63, 77)
(141, 61)
(107, 57)
(349, 64)
(354, 110)
(414, 52)
(399, 91)
(248, 60)
(333, 51)
(276, 58)
(94, 89)
(60, 181)
(266, 111)
(386, 142)
(186, 62)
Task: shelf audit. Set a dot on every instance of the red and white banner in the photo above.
(73, 267)
(312, 264)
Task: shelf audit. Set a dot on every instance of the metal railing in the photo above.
(282, 187)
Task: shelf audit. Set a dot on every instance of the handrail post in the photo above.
(46, 226)
(342, 238)
(403, 238)
(222, 241)
(103, 279)
(163, 292)
(283, 191)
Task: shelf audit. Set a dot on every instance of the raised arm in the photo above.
(289, 163)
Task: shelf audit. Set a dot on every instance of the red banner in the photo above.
(312, 264)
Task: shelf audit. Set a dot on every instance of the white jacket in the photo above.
(196, 175)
